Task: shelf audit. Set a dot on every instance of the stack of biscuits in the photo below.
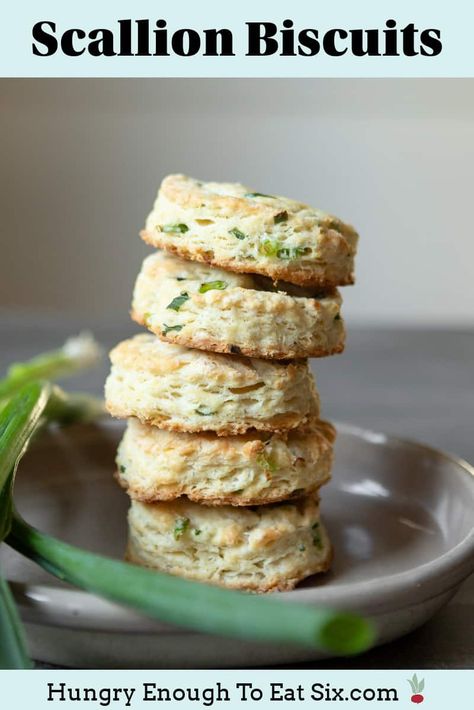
(224, 452)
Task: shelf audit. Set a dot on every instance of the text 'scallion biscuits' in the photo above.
(202, 307)
(250, 469)
(231, 226)
(265, 548)
(189, 390)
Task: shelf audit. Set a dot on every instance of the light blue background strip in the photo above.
(455, 19)
(442, 689)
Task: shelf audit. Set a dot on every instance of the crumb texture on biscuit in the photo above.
(203, 307)
(232, 226)
(176, 388)
(260, 549)
(250, 469)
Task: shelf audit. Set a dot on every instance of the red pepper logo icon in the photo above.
(417, 687)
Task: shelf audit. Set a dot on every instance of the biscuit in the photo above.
(250, 469)
(203, 307)
(229, 225)
(261, 549)
(190, 390)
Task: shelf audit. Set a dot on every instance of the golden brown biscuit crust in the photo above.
(298, 275)
(276, 236)
(274, 585)
(252, 469)
(167, 385)
(263, 548)
(235, 314)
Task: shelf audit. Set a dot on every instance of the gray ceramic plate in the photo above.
(400, 516)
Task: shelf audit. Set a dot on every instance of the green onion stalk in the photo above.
(21, 417)
(19, 420)
(76, 354)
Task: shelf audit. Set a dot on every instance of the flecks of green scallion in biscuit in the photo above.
(196, 531)
(268, 247)
(237, 233)
(302, 548)
(204, 411)
(337, 316)
(175, 228)
(213, 286)
(123, 468)
(317, 536)
(290, 252)
(178, 301)
(281, 217)
(169, 328)
(181, 525)
(258, 194)
(266, 462)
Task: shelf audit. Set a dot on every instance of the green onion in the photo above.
(268, 247)
(181, 525)
(73, 407)
(192, 604)
(338, 316)
(177, 302)
(258, 194)
(13, 649)
(281, 217)
(76, 353)
(175, 228)
(26, 404)
(266, 462)
(168, 328)
(204, 411)
(317, 542)
(212, 286)
(290, 252)
(19, 419)
(237, 233)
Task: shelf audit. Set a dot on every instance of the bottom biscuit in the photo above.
(259, 549)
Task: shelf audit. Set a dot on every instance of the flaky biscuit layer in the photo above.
(231, 226)
(260, 549)
(251, 469)
(203, 307)
(176, 388)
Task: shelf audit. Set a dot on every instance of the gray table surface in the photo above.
(410, 383)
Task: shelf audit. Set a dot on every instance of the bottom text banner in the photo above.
(229, 689)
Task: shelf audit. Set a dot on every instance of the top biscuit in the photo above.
(229, 225)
